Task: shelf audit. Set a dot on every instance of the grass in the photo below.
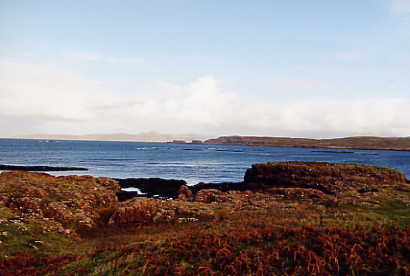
(33, 240)
(391, 211)
(300, 250)
(245, 238)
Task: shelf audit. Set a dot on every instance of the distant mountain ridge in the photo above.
(356, 142)
(125, 137)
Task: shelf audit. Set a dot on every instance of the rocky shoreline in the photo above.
(328, 178)
(78, 199)
(41, 214)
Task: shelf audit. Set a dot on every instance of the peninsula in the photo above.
(356, 142)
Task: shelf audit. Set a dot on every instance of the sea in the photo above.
(190, 162)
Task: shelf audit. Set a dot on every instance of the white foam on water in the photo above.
(133, 189)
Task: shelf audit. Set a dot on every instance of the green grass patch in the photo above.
(389, 211)
(394, 210)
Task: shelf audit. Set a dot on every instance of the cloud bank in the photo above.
(40, 99)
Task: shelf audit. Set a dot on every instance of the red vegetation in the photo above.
(28, 264)
(329, 178)
(264, 251)
(290, 221)
(284, 251)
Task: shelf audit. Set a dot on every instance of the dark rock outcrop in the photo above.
(175, 189)
(165, 188)
(224, 187)
(125, 195)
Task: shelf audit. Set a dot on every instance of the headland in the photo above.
(358, 142)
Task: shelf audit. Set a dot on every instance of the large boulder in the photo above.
(329, 178)
(184, 193)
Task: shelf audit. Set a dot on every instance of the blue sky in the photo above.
(278, 68)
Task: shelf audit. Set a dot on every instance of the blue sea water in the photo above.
(193, 163)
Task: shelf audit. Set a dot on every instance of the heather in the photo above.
(285, 218)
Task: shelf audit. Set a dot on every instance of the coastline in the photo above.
(356, 143)
(79, 225)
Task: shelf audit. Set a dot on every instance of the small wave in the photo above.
(112, 165)
(226, 150)
(120, 159)
(148, 148)
(262, 153)
(107, 159)
(172, 165)
(165, 163)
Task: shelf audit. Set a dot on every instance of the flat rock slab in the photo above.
(39, 168)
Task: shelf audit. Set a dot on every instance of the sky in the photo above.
(317, 69)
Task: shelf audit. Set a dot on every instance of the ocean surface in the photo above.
(192, 163)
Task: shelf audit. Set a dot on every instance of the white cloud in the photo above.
(36, 98)
(40, 91)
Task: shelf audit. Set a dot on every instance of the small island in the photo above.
(194, 142)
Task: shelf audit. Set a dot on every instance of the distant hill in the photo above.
(358, 142)
(139, 137)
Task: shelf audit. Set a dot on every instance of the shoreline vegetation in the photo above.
(285, 218)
